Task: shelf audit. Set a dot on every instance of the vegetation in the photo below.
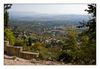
(9, 36)
(19, 42)
(73, 46)
(82, 50)
(89, 36)
(7, 31)
(6, 14)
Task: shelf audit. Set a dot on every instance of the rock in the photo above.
(34, 61)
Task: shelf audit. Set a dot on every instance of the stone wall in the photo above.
(28, 55)
(18, 51)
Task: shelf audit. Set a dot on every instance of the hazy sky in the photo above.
(50, 8)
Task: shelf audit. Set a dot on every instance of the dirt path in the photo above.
(10, 60)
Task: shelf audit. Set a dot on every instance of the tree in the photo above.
(91, 24)
(6, 14)
(88, 37)
(8, 32)
(70, 47)
(30, 41)
(9, 36)
(85, 51)
(71, 39)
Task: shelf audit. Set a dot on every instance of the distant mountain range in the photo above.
(26, 17)
(38, 22)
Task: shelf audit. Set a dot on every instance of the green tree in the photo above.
(8, 32)
(6, 14)
(30, 41)
(70, 47)
(9, 36)
(88, 37)
(91, 24)
(71, 39)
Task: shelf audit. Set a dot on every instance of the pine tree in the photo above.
(92, 22)
(88, 37)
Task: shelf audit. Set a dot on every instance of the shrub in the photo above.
(43, 52)
(19, 42)
(65, 57)
(8, 35)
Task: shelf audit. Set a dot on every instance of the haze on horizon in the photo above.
(50, 8)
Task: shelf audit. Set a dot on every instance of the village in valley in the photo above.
(49, 39)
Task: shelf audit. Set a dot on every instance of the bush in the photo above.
(8, 35)
(43, 52)
(65, 57)
(19, 42)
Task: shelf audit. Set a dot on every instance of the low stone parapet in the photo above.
(18, 51)
(28, 55)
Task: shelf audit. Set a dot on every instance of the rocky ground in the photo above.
(12, 60)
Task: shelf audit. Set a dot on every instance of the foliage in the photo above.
(91, 24)
(78, 49)
(6, 19)
(87, 54)
(19, 42)
(69, 47)
(30, 41)
(6, 14)
(9, 36)
(88, 48)
(64, 57)
(7, 6)
(41, 49)
(71, 39)
(73, 48)
(7, 32)
(89, 44)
